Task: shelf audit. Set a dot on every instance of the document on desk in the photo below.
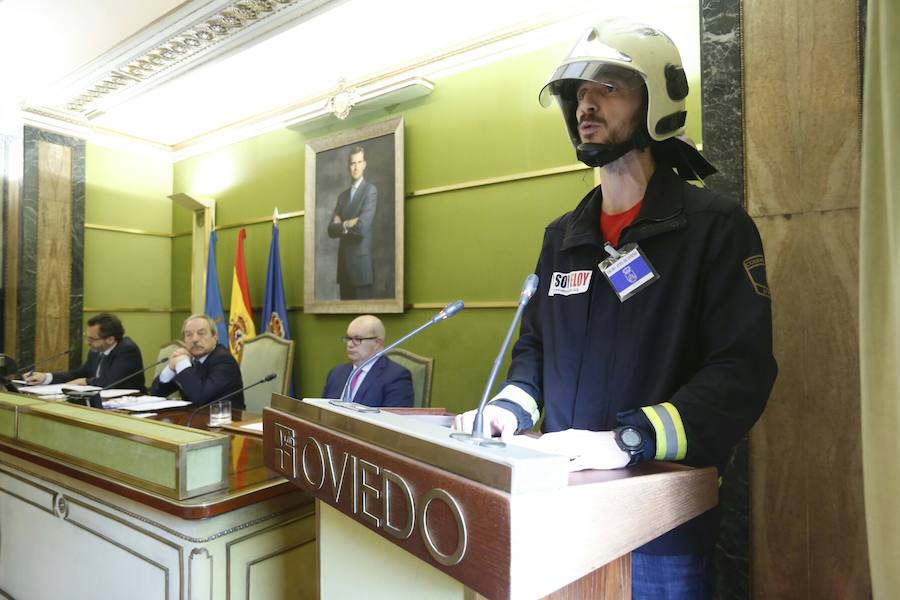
(116, 393)
(61, 388)
(143, 403)
(56, 388)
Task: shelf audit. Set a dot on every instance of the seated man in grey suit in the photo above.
(204, 371)
(113, 356)
(381, 383)
(351, 222)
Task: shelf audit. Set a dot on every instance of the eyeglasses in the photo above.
(356, 341)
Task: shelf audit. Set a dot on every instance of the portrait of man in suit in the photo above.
(354, 225)
(351, 223)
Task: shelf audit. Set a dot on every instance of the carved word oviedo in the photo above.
(374, 490)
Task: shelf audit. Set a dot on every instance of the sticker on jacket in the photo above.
(566, 284)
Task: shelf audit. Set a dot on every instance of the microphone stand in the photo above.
(30, 368)
(477, 436)
(447, 312)
(268, 377)
(93, 399)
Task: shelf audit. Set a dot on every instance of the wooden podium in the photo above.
(406, 510)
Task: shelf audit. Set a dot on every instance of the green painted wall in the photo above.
(476, 244)
(129, 272)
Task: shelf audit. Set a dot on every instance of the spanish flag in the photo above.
(240, 319)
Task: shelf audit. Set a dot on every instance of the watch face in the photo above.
(631, 437)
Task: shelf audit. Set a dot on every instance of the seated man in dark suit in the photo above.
(112, 357)
(204, 371)
(382, 383)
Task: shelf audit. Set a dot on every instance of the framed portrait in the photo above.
(354, 221)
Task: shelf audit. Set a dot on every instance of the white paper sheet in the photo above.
(143, 403)
(56, 388)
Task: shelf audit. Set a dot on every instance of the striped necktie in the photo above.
(355, 382)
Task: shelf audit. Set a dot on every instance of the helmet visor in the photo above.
(564, 82)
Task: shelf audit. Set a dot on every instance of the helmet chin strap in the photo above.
(598, 155)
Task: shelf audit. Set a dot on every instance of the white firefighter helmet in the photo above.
(624, 52)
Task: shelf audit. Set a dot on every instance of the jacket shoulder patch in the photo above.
(755, 266)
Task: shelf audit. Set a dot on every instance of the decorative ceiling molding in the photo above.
(374, 96)
(195, 33)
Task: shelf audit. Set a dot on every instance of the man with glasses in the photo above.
(205, 370)
(112, 356)
(381, 383)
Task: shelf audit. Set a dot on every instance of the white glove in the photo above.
(496, 421)
(585, 449)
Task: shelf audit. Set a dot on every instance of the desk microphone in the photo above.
(30, 368)
(445, 313)
(477, 436)
(7, 368)
(93, 398)
(268, 377)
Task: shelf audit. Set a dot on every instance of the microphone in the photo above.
(7, 368)
(477, 437)
(94, 399)
(444, 314)
(30, 368)
(268, 377)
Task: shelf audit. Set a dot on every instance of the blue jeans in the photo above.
(675, 577)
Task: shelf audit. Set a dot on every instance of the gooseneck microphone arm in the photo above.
(268, 377)
(445, 313)
(477, 436)
(30, 368)
(94, 399)
(130, 375)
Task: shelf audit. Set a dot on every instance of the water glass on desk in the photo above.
(220, 413)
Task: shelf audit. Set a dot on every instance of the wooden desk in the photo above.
(68, 532)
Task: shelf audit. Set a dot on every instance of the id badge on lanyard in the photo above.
(627, 270)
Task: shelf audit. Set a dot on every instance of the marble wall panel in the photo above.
(801, 65)
(43, 178)
(10, 195)
(808, 527)
(720, 60)
(723, 145)
(54, 249)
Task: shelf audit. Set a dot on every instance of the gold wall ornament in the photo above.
(343, 100)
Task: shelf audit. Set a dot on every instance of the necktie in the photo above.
(100, 365)
(355, 382)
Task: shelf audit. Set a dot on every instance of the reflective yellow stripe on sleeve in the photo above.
(671, 441)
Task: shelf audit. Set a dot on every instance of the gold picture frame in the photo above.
(354, 242)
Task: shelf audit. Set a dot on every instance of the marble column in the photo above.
(44, 250)
(723, 146)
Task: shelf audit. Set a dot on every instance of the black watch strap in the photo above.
(630, 439)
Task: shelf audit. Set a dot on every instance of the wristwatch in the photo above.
(631, 440)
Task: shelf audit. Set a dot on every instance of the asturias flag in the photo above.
(240, 321)
(213, 306)
(274, 312)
